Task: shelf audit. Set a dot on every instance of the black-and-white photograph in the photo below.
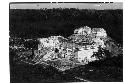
(64, 42)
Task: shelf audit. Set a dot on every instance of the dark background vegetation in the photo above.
(29, 23)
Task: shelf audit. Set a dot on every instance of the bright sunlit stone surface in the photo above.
(64, 54)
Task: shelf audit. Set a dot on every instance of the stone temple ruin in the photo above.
(78, 49)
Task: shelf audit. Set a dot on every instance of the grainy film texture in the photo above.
(66, 42)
